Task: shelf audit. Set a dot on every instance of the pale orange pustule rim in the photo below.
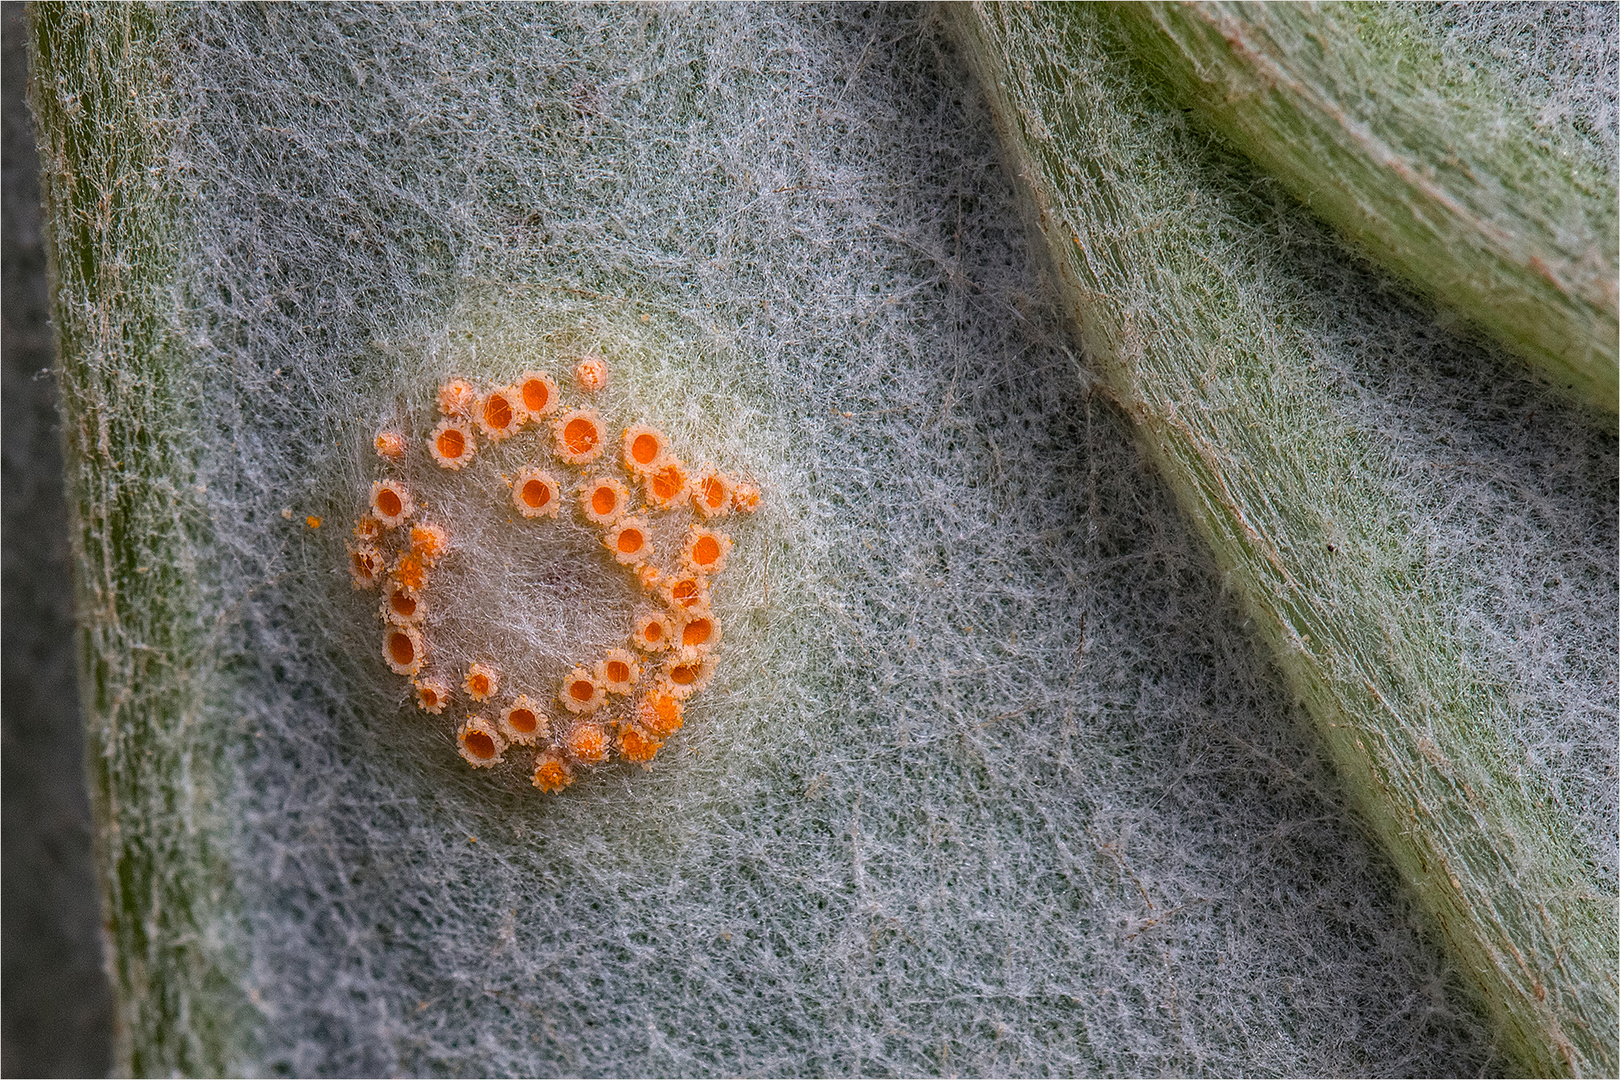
(538, 393)
(481, 682)
(578, 436)
(535, 493)
(481, 745)
(404, 649)
(451, 444)
(501, 413)
(390, 502)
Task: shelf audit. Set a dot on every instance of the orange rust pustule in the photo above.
(578, 436)
(538, 392)
(452, 445)
(591, 374)
(660, 715)
(389, 445)
(654, 632)
(404, 649)
(551, 771)
(432, 695)
(481, 745)
(644, 448)
(534, 493)
(429, 543)
(587, 742)
(457, 397)
(501, 413)
(523, 723)
(697, 632)
(391, 502)
(410, 572)
(366, 564)
(636, 745)
(666, 486)
(481, 682)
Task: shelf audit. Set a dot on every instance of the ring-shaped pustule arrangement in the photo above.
(626, 702)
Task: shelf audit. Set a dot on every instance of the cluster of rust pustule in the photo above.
(628, 701)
